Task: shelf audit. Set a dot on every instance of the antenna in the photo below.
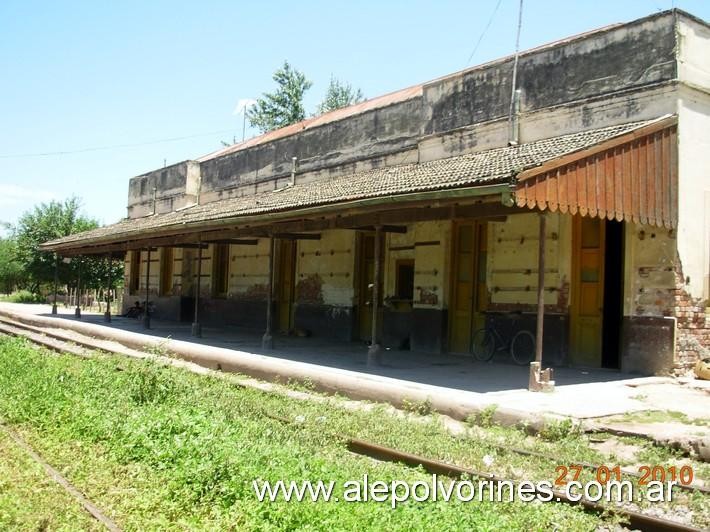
(514, 94)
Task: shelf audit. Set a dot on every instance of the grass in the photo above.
(663, 416)
(29, 500)
(159, 448)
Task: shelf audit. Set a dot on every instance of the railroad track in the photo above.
(70, 344)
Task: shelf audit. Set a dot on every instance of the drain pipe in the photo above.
(155, 199)
(294, 162)
(514, 120)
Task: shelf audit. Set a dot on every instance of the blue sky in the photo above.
(84, 75)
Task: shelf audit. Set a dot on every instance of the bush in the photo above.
(484, 418)
(422, 408)
(560, 430)
(25, 296)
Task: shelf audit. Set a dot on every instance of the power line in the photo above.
(483, 33)
(111, 147)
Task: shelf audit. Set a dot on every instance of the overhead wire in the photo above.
(483, 33)
(111, 147)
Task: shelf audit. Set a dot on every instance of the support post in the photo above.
(146, 314)
(267, 341)
(196, 325)
(540, 380)
(540, 289)
(107, 314)
(77, 310)
(56, 282)
(374, 352)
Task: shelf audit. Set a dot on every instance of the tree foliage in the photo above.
(284, 106)
(11, 276)
(49, 221)
(339, 95)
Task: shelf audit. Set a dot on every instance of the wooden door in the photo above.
(366, 271)
(286, 284)
(587, 291)
(469, 298)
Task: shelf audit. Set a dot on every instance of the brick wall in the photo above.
(693, 327)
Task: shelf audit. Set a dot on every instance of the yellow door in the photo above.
(469, 292)
(286, 280)
(366, 266)
(587, 291)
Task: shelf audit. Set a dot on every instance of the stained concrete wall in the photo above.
(176, 186)
(513, 248)
(648, 328)
(625, 57)
(325, 285)
(694, 157)
(422, 323)
(606, 77)
(371, 134)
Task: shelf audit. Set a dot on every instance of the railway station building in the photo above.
(422, 213)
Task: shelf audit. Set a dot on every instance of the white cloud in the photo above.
(243, 105)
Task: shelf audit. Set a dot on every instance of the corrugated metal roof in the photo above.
(482, 168)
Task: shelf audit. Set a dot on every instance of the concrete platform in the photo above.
(582, 394)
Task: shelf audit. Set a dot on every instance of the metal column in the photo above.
(196, 325)
(146, 314)
(56, 282)
(267, 342)
(107, 314)
(373, 353)
(77, 310)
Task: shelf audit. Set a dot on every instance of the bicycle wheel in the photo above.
(522, 347)
(484, 345)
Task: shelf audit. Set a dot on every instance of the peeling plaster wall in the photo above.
(511, 277)
(512, 266)
(331, 260)
(650, 271)
(325, 285)
(249, 271)
(422, 324)
(648, 328)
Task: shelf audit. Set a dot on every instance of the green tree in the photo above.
(283, 106)
(49, 221)
(11, 275)
(339, 95)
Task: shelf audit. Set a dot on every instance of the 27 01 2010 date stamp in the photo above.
(682, 475)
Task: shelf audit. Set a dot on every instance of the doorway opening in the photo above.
(597, 292)
(613, 294)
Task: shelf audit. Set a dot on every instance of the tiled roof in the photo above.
(482, 168)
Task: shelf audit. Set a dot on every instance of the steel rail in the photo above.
(636, 520)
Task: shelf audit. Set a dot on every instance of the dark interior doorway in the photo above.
(613, 294)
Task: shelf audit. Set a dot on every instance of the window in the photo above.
(135, 272)
(220, 270)
(166, 272)
(404, 282)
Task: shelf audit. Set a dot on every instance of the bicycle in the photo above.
(487, 341)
